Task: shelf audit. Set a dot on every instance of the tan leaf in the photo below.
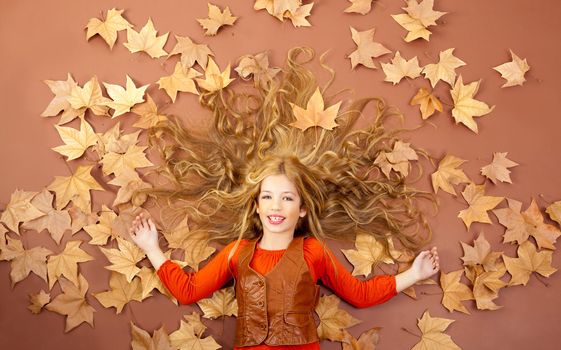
(258, 67)
(66, 263)
(454, 291)
(101, 232)
(113, 141)
(315, 114)
(433, 337)
(397, 160)
(80, 219)
(513, 71)
(216, 19)
(486, 288)
(521, 225)
(214, 79)
(129, 183)
(298, 17)
(222, 303)
(75, 142)
(480, 254)
(88, 97)
(427, 101)
(185, 338)
(414, 26)
(148, 112)
(146, 40)
(60, 103)
(333, 320)
(554, 211)
(401, 68)
(38, 301)
(180, 80)
(75, 188)
(445, 69)
(196, 248)
(529, 260)
(359, 6)
(20, 209)
(465, 106)
(448, 175)
(498, 169)
(124, 259)
(368, 253)
(72, 303)
(108, 28)
(366, 48)
(141, 339)
(191, 52)
(479, 203)
(423, 11)
(123, 99)
(367, 340)
(117, 163)
(194, 320)
(149, 281)
(122, 292)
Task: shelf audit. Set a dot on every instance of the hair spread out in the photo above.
(214, 177)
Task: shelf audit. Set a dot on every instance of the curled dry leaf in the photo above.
(257, 66)
(122, 292)
(554, 211)
(415, 28)
(101, 232)
(479, 203)
(368, 253)
(465, 106)
(60, 103)
(427, 101)
(433, 337)
(189, 337)
(396, 160)
(214, 79)
(448, 174)
(124, 259)
(401, 68)
(480, 254)
(80, 219)
(445, 69)
(149, 281)
(498, 169)
(180, 80)
(486, 288)
(72, 303)
(332, 319)
(20, 209)
(146, 40)
(367, 340)
(88, 97)
(109, 27)
(359, 6)
(513, 71)
(66, 263)
(148, 112)
(75, 142)
(315, 114)
(454, 291)
(75, 188)
(216, 19)
(38, 301)
(123, 99)
(222, 303)
(191, 52)
(366, 48)
(529, 260)
(141, 339)
(23, 261)
(292, 9)
(130, 182)
(423, 11)
(119, 163)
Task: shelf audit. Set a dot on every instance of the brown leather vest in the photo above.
(276, 309)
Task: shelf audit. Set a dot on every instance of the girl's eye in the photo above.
(288, 198)
(265, 196)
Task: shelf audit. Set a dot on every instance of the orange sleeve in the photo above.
(189, 287)
(336, 277)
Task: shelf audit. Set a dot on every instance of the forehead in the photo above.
(278, 183)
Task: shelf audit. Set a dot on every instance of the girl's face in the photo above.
(279, 205)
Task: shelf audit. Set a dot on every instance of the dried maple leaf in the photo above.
(124, 98)
(401, 68)
(88, 97)
(498, 169)
(117, 163)
(108, 28)
(23, 261)
(216, 19)
(20, 209)
(38, 301)
(186, 338)
(148, 112)
(513, 71)
(146, 40)
(359, 6)
(366, 48)
(529, 260)
(113, 141)
(448, 175)
(298, 17)
(554, 211)
(423, 11)
(75, 188)
(332, 320)
(465, 106)
(196, 249)
(149, 281)
(180, 80)
(445, 69)
(486, 288)
(521, 225)
(59, 103)
(122, 292)
(54, 221)
(141, 339)
(454, 291)
(414, 26)
(257, 66)
(480, 254)
(194, 320)
(315, 114)
(427, 101)
(479, 203)
(75, 142)
(72, 303)
(191, 52)
(80, 219)
(278, 8)
(129, 183)
(367, 340)
(433, 337)
(397, 160)
(222, 303)
(368, 252)
(214, 79)
(124, 259)
(66, 263)
(100, 232)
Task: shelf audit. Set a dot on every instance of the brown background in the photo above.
(46, 39)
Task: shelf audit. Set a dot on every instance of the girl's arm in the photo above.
(425, 265)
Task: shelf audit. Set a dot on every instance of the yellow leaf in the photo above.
(124, 259)
(62, 90)
(427, 101)
(554, 211)
(185, 338)
(66, 263)
(486, 288)
(23, 261)
(122, 291)
(480, 254)
(89, 97)
(80, 219)
(397, 160)
(72, 303)
(124, 99)
(108, 28)
(513, 71)
(38, 301)
(415, 28)
(401, 68)
(149, 281)
(146, 40)
(214, 79)
(222, 303)
(359, 6)
(433, 337)
(55, 221)
(149, 115)
(332, 320)
(101, 231)
(76, 142)
(366, 48)
(20, 209)
(454, 291)
(423, 11)
(465, 106)
(180, 80)
(129, 183)
(191, 52)
(529, 260)
(258, 66)
(479, 203)
(445, 69)
(368, 253)
(315, 114)
(298, 17)
(448, 175)
(116, 163)
(216, 19)
(498, 169)
(141, 339)
(367, 340)
(75, 188)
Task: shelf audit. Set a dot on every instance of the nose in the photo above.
(276, 205)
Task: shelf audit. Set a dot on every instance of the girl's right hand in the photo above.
(144, 234)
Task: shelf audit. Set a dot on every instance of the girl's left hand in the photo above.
(426, 264)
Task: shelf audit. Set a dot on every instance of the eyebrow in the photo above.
(281, 192)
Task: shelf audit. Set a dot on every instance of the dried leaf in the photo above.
(368, 253)
(366, 48)
(185, 338)
(66, 263)
(258, 66)
(38, 301)
(216, 19)
(332, 320)
(146, 40)
(75, 188)
(359, 6)
(513, 71)
(448, 175)
(191, 52)
(433, 337)
(480, 254)
(298, 17)
(445, 69)
(149, 281)
(486, 288)
(60, 103)
(122, 291)
(479, 203)
(20, 209)
(124, 259)
(117, 163)
(180, 80)
(367, 340)
(141, 339)
(465, 106)
(108, 28)
(214, 79)
(554, 211)
(88, 97)
(23, 261)
(80, 219)
(222, 303)
(397, 160)
(102, 231)
(129, 183)
(423, 11)
(529, 260)
(401, 68)
(75, 142)
(149, 115)
(72, 303)
(123, 99)
(427, 101)
(454, 291)
(196, 249)
(414, 26)
(498, 169)
(315, 114)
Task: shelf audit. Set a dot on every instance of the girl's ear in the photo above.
(303, 211)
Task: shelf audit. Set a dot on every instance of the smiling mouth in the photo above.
(275, 219)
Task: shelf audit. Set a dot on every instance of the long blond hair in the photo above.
(214, 177)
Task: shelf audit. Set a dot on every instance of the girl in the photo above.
(274, 193)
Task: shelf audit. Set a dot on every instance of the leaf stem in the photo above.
(540, 278)
(408, 331)
(426, 293)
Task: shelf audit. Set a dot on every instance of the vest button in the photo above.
(260, 303)
(263, 326)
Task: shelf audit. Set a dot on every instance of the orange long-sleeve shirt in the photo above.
(189, 287)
